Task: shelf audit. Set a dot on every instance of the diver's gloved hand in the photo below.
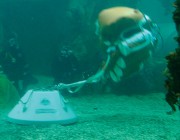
(117, 70)
(116, 63)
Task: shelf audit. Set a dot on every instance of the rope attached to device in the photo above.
(75, 87)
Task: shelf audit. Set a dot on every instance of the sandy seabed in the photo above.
(105, 117)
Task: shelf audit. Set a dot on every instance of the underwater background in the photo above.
(133, 109)
(44, 26)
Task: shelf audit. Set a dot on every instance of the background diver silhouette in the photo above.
(14, 64)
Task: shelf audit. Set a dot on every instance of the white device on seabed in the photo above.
(42, 106)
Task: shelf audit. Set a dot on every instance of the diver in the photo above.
(65, 66)
(127, 38)
(14, 64)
